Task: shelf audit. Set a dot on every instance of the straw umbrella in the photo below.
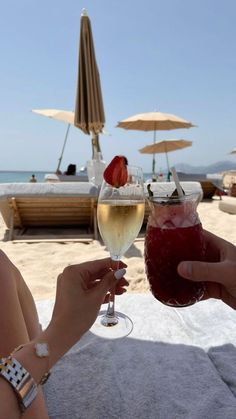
(165, 146)
(89, 111)
(154, 121)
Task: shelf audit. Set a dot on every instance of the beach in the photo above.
(41, 262)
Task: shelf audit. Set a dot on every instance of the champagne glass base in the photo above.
(112, 327)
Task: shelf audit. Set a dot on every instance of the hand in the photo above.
(81, 289)
(219, 272)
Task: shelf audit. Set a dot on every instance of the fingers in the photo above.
(109, 281)
(205, 271)
(90, 272)
(117, 289)
(98, 265)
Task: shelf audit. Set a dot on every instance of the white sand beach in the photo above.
(41, 262)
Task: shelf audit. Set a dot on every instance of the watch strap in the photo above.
(41, 351)
(20, 379)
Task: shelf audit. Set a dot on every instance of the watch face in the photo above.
(42, 349)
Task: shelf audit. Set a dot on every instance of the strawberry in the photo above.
(116, 173)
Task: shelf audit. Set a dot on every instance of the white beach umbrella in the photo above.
(58, 115)
(165, 146)
(154, 121)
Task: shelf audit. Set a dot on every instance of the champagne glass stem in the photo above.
(110, 318)
(111, 305)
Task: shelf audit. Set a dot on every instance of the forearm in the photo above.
(36, 366)
(8, 401)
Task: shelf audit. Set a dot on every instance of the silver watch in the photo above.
(21, 381)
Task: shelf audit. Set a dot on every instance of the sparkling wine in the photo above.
(119, 223)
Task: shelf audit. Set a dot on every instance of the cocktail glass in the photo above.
(174, 234)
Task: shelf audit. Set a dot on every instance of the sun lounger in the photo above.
(229, 178)
(212, 184)
(209, 189)
(26, 207)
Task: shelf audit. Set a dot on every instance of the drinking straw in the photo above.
(177, 183)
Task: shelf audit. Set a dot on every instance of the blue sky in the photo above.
(176, 56)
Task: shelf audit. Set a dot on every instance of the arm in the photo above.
(81, 289)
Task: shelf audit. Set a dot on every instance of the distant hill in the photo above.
(217, 167)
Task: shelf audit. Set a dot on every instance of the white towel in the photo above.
(177, 363)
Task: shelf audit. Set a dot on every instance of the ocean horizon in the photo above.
(20, 176)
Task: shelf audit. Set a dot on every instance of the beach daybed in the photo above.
(228, 204)
(26, 207)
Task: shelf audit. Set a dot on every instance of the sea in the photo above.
(13, 176)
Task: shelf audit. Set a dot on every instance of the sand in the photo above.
(40, 263)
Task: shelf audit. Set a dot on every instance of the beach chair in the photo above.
(229, 178)
(211, 189)
(49, 211)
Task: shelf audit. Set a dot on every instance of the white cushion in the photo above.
(8, 190)
(228, 204)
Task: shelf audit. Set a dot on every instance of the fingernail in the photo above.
(185, 269)
(120, 273)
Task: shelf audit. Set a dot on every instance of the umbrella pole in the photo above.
(63, 148)
(154, 158)
(167, 162)
(153, 165)
(96, 149)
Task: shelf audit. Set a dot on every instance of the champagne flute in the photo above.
(120, 215)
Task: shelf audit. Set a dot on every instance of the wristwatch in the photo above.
(20, 379)
(41, 351)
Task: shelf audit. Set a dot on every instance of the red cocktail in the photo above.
(174, 234)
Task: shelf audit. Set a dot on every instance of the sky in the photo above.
(176, 56)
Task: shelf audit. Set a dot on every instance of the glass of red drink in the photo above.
(174, 234)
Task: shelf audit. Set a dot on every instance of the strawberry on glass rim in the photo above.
(116, 173)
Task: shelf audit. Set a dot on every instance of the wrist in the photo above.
(28, 365)
(62, 337)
